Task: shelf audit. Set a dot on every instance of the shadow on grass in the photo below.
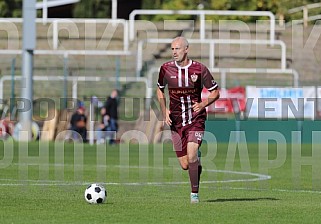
(241, 199)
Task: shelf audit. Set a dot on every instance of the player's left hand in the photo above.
(197, 107)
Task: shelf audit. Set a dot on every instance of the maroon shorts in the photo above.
(190, 133)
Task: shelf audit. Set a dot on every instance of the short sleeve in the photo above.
(208, 81)
(161, 83)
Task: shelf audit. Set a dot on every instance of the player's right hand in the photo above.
(168, 119)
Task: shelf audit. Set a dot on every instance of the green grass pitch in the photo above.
(45, 183)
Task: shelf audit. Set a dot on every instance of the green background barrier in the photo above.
(227, 130)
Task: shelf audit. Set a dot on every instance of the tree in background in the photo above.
(102, 8)
(152, 4)
(177, 4)
(11, 8)
(278, 7)
(92, 9)
(83, 9)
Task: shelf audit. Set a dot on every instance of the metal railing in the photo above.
(305, 10)
(225, 71)
(211, 43)
(55, 27)
(65, 54)
(201, 14)
(70, 52)
(76, 79)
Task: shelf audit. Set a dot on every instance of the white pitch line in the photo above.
(259, 177)
(277, 189)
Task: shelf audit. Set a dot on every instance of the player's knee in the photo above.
(192, 159)
(183, 161)
(184, 165)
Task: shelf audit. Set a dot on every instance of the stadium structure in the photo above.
(76, 59)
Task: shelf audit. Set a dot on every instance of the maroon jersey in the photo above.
(185, 86)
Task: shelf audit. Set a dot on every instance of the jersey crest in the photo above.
(194, 77)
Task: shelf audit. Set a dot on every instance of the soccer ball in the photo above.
(95, 194)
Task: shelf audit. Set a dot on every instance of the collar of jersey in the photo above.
(186, 66)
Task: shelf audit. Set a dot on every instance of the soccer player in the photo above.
(186, 115)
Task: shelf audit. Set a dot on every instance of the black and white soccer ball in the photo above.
(95, 194)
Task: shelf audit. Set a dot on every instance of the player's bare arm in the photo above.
(162, 102)
(214, 95)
